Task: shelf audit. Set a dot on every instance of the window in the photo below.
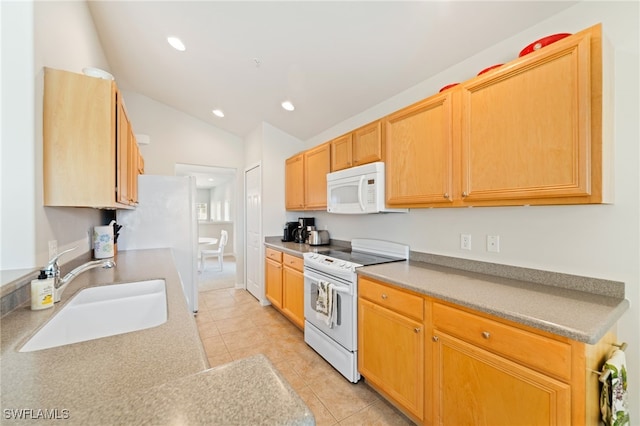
(201, 208)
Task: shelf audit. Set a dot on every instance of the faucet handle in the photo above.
(53, 269)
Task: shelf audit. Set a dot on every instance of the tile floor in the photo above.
(233, 325)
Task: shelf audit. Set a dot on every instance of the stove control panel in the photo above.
(329, 262)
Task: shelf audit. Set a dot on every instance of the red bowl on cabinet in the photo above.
(545, 41)
(448, 86)
(490, 68)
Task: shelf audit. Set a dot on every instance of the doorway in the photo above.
(215, 207)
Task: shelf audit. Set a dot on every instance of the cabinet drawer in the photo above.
(538, 352)
(391, 298)
(292, 262)
(273, 255)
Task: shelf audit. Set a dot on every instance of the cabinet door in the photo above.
(293, 295)
(419, 153)
(134, 155)
(78, 140)
(475, 387)
(342, 152)
(317, 163)
(391, 355)
(294, 183)
(367, 144)
(122, 155)
(273, 282)
(526, 130)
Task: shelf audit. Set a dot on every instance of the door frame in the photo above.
(258, 165)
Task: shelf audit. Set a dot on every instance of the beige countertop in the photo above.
(119, 370)
(580, 308)
(578, 315)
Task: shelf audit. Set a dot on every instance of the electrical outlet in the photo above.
(53, 248)
(465, 241)
(493, 243)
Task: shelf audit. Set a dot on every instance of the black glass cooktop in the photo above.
(364, 259)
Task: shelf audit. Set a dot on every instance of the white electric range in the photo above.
(331, 299)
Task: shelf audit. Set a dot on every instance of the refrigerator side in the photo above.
(165, 218)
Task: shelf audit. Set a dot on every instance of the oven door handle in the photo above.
(337, 288)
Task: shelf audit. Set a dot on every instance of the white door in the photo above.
(253, 244)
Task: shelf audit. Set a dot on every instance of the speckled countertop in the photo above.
(136, 371)
(578, 315)
(580, 308)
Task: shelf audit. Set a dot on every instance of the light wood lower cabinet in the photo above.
(284, 284)
(391, 344)
(293, 289)
(442, 364)
(476, 387)
(273, 277)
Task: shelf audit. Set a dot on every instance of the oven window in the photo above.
(313, 293)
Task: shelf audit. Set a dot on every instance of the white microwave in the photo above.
(358, 190)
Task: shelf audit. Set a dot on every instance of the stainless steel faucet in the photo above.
(53, 271)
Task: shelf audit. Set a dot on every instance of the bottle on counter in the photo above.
(42, 292)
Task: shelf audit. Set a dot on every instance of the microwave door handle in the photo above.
(360, 188)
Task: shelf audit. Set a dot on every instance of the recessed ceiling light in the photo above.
(176, 43)
(218, 113)
(288, 106)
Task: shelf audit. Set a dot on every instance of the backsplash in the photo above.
(18, 292)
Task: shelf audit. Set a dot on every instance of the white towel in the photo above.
(322, 299)
(613, 397)
(325, 302)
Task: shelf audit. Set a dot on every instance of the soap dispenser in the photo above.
(42, 292)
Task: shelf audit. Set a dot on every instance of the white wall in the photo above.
(176, 137)
(17, 206)
(278, 146)
(34, 35)
(600, 241)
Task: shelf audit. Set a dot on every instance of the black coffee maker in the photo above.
(301, 233)
(289, 233)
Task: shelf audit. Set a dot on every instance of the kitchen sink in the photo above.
(104, 311)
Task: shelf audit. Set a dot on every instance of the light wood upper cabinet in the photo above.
(368, 144)
(317, 163)
(527, 130)
(342, 152)
(362, 146)
(294, 182)
(86, 143)
(419, 153)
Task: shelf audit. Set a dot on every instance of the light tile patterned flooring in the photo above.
(233, 325)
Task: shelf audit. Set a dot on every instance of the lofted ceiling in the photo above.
(333, 60)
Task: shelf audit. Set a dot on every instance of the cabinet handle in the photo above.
(384, 296)
(435, 338)
(486, 334)
(464, 194)
(446, 195)
(417, 329)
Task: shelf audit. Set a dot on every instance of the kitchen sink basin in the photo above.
(104, 311)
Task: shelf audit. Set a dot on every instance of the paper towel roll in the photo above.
(103, 241)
